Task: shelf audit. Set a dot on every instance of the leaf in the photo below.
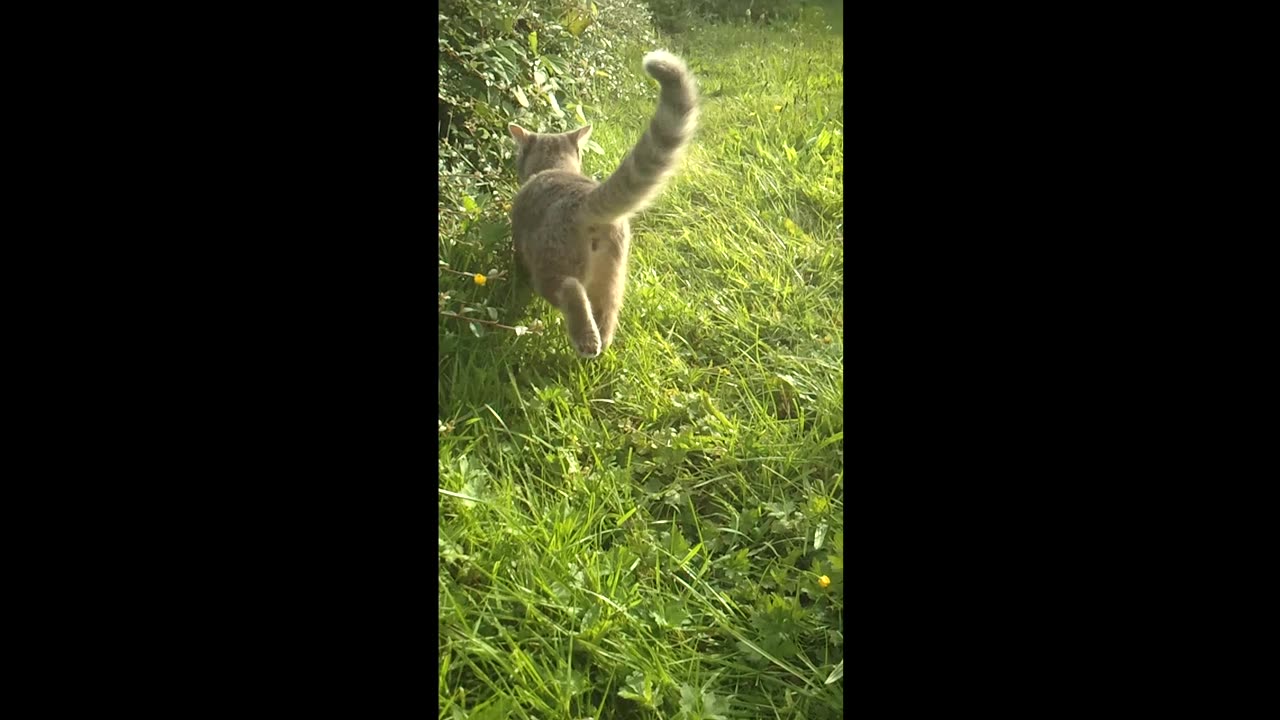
(713, 708)
(520, 98)
(676, 544)
(836, 674)
(493, 313)
(552, 63)
(638, 688)
(817, 503)
(789, 380)
(469, 203)
(577, 21)
(688, 699)
(671, 615)
(824, 139)
(577, 110)
(594, 147)
(475, 329)
(781, 510)
(819, 535)
(533, 42)
(555, 106)
(471, 490)
(539, 77)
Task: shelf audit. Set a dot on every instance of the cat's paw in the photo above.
(588, 346)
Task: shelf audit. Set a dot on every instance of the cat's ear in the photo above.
(518, 133)
(581, 135)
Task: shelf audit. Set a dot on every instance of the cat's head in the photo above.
(536, 152)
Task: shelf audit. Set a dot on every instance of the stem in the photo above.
(476, 320)
(495, 276)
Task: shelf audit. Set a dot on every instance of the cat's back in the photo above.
(553, 192)
(544, 216)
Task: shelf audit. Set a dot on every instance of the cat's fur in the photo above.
(571, 232)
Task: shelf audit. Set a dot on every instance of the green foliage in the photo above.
(526, 62)
(701, 704)
(640, 689)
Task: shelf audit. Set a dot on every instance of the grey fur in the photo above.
(571, 232)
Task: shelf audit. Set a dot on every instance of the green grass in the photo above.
(642, 536)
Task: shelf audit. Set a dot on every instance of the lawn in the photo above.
(658, 533)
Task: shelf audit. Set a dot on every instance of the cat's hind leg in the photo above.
(571, 298)
(606, 302)
(605, 287)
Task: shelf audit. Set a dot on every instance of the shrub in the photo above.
(536, 63)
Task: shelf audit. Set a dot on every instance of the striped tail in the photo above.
(645, 170)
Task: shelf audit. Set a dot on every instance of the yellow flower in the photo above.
(824, 581)
(777, 108)
(480, 279)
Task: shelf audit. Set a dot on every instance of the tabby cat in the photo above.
(571, 232)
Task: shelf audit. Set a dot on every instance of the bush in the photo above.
(535, 63)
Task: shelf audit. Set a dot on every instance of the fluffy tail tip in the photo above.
(664, 66)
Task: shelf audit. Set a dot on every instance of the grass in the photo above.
(648, 535)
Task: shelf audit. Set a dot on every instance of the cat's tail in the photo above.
(645, 170)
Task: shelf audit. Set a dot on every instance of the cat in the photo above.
(572, 233)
